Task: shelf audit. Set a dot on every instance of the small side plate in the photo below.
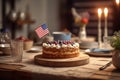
(35, 49)
(99, 52)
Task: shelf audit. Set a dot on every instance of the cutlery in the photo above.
(105, 66)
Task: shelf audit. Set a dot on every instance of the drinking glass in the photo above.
(106, 42)
(17, 50)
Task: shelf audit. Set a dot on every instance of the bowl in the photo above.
(61, 36)
(87, 45)
(28, 44)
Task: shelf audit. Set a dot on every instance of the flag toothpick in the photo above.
(42, 30)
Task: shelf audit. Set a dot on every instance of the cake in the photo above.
(27, 44)
(60, 49)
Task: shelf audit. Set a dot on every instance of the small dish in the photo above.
(87, 45)
(35, 49)
(99, 52)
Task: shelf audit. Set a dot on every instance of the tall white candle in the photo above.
(99, 27)
(105, 28)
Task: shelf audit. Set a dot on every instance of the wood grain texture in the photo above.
(77, 61)
(31, 71)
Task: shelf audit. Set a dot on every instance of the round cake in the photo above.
(60, 49)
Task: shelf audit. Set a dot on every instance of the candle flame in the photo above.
(99, 12)
(117, 2)
(105, 12)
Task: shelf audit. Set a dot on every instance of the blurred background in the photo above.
(21, 17)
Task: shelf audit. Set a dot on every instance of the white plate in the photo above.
(87, 45)
(99, 52)
(35, 49)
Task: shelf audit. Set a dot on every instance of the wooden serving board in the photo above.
(82, 59)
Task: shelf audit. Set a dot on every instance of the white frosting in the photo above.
(69, 45)
(44, 44)
(50, 52)
(53, 45)
(63, 46)
(58, 46)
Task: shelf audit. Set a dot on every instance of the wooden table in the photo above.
(27, 70)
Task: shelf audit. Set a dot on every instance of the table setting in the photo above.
(61, 55)
(85, 71)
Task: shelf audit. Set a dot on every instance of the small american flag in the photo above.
(42, 30)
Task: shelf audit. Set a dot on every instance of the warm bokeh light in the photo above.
(99, 12)
(117, 2)
(106, 12)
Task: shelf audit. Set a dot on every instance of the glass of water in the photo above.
(106, 42)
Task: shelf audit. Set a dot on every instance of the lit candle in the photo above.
(106, 15)
(117, 13)
(99, 12)
(99, 27)
(117, 2)
(118, 7)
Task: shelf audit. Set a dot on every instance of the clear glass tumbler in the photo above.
(106, 42)
(17, 50)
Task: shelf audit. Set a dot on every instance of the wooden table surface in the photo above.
(28, 70)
